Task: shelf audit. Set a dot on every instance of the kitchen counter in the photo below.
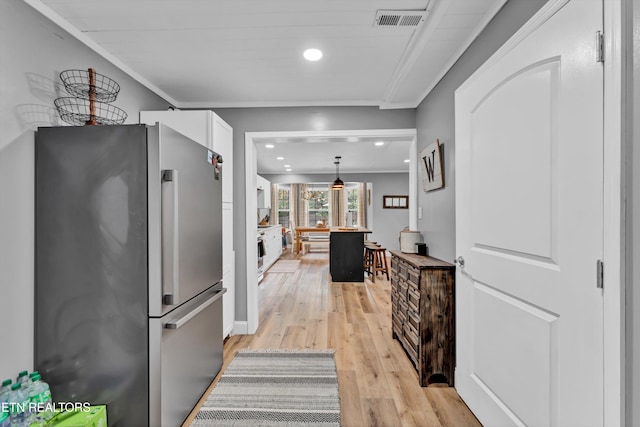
(266, 227)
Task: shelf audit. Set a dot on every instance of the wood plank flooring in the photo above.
(377, 382)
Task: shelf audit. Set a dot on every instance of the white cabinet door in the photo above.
(222, 143)
(264, 192)
(192, 123)
(228, 269)
(273, 245)
(267, 194)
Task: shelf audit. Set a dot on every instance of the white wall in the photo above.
(386, 223)
(435, 120)
(33, 51)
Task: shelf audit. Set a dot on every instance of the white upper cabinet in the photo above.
(223, 144)
(264, 192)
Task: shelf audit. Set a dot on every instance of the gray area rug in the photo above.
(275, 388)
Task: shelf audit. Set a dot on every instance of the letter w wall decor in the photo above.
(431, 166)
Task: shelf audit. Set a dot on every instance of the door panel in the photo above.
(192, 218)
(503, 373)
(519, 141)
(529, 205)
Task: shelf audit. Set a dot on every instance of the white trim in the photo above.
(382, 133)
(240, 328)
(250, 166)
(615, 93)
(251, 206)
(413, 184)
(68, 27)
(308, 103)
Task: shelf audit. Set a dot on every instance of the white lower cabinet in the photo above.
(272, 245)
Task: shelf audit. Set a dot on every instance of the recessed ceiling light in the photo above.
(287, 166)
(407, 160)
(279, 158)
(312, 54)
(379, 143)
(269, 146)
(288, 170)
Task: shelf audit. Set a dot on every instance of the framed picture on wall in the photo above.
(395, 202)
(431, 167)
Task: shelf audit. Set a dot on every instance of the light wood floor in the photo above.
(377, 382)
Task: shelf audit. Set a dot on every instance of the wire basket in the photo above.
(77, 111)
(79, 83)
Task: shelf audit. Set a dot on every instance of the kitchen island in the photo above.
(346, 248)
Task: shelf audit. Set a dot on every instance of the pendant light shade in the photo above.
(338, 184)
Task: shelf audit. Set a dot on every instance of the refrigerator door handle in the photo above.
(170, 235)
(176, 324)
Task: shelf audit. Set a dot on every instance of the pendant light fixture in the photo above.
(337, 184)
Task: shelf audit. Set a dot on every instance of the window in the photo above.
(318, 206)
(352, 207)
(283, 207)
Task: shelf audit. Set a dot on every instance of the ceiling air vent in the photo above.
(399, 18)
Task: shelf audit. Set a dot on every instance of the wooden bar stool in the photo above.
(368, 258)
(376, 261)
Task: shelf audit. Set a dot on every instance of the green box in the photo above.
(96, 416)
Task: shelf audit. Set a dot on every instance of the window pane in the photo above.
(283, 199)
(352, 199)
(283, 218)
(283, 207)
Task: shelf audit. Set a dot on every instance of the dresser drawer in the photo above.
(413, 277)
(413, 319)
(413, 298)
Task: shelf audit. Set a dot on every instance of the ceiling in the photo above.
(316, 154)
(248, 53)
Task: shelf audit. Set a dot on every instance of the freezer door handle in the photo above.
(170, 237)
(177, 323)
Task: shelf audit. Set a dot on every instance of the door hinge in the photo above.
(600, 274)
(599, 46)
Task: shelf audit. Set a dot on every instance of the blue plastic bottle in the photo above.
(5, 389)
(22, 377)
(40, 396)
(18, 406)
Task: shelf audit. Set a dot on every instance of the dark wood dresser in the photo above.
(423, 314)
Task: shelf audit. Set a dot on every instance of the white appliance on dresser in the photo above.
(207, 128)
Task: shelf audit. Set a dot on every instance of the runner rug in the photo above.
(275, 388)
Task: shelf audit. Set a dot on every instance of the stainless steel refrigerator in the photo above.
(128, 269)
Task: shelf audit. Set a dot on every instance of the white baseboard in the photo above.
(240, 327)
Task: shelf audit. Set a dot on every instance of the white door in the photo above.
(529, 186)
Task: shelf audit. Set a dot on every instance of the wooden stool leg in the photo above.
(386, 267)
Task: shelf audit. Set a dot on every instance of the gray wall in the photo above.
(633, 222)
(435, 120)
(385, 223)
(292, 119)
(33, 52)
